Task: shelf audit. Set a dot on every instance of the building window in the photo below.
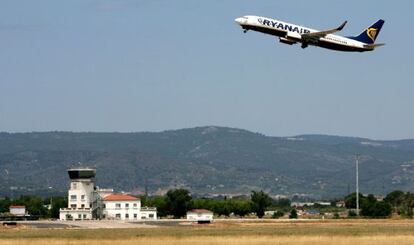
(126, 216)
(117, 205)
(79, 216)
(135, 216)
(127, 205)
(104, 205)
(151, 215)
(83, 206)
(72, 197)
(73, 206)
(135, 205)
(83, 197)
(84, 216)
(118, 216)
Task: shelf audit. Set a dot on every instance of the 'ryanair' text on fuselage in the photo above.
(282, 26)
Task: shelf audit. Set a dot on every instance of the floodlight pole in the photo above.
(357, 184)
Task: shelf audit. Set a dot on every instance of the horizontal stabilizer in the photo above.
(373, 46)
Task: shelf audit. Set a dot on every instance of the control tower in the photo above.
(81, 194)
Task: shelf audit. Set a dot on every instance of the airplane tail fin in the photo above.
(369, 35)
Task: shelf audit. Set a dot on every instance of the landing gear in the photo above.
(304, 45)
(245, 30)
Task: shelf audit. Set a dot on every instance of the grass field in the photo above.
(399, 232)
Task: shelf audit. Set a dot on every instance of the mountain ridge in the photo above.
(206, 160)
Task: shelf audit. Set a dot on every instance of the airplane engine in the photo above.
(286, 41)
(293, 36)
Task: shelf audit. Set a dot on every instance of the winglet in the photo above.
(342, 26)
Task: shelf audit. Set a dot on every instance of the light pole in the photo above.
(357, 184)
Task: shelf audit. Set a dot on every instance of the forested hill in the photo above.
(206, 160)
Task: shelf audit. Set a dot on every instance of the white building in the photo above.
(17, 210)
(86, 202)
(126, 207)
(200, 216)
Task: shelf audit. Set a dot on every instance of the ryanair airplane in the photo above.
(292, 34)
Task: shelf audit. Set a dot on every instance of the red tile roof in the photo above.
(17, 206)
(199, 211)
(120, 197)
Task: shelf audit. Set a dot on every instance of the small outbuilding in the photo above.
(17, 210)
(200, 216)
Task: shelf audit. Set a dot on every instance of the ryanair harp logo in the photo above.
(372, 33)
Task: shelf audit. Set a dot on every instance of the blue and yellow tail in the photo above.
(370, 34)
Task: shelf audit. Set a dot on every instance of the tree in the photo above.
(178, 202)
(293, 214)
(34, 205)
(222, 207)
(204, 203)
(277, 214)
(395, 198)
(160, 202)
(282, 203)
(372, 208)
(241, 208)
(382, 209)
(260, 201)
(352, 214)
(368, 206)
(4, 205)
(408, 205)
(57, 204)
(350, 200)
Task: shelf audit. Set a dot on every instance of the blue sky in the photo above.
(120, 65)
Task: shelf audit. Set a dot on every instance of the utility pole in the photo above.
(357, 184)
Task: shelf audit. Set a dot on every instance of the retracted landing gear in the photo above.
(304, 45)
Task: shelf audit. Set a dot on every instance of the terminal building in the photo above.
(86, 201)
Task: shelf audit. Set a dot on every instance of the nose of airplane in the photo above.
(239, 20)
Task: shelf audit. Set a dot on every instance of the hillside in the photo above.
(207, 160)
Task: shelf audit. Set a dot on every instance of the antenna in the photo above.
(357, 183)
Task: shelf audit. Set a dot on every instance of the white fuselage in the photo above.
(291, 33)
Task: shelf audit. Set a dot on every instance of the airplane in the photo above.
(292, 34)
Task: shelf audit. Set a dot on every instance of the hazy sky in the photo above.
(120, 65)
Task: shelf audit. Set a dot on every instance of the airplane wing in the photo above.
(314, 36)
